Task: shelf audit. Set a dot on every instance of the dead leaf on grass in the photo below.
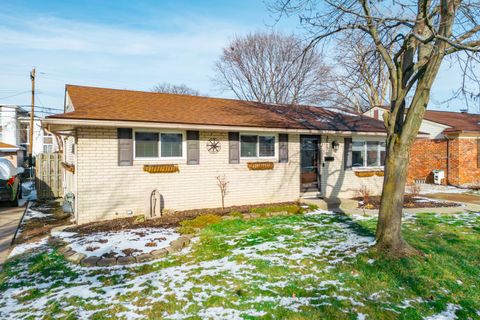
(151, 244)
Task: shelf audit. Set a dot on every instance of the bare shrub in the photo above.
(222, 184)
(415, 190)
(364, 193)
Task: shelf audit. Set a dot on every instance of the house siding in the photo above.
(106, 190)
(340, 183)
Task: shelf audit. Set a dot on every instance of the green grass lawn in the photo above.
(303, 266)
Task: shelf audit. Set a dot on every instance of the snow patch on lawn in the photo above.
(202, 287)
(448, 314)
(34, 214)
(118, 243)
(24, 247)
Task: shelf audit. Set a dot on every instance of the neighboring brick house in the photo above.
(119, 146)
(453, 146)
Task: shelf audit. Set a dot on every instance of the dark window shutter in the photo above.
(283, 148)
(125, 146)
(347, 156)
(233, 147)
(193, 147)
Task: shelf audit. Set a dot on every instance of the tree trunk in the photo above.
(389, 235)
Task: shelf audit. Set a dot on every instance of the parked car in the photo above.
(10, 185)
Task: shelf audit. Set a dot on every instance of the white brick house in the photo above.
(115, 139)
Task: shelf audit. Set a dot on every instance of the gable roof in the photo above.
(457, 121)
(91, 103)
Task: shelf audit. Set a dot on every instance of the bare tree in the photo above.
(222, 184)
(361, 77)
(427, 31)
(273, 68)
(166, 87)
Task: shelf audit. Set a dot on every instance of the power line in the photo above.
(14, 95)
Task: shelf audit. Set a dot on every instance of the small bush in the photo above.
(312, 207)
(236, 214)
(200, 222)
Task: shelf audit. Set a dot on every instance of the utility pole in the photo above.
(32, 114)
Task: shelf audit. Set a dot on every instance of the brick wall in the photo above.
(464, 161)
(106, 190)
(427, 155)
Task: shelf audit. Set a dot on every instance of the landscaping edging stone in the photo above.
(72, 256)
(176, 245)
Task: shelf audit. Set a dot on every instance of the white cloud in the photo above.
(182, 51)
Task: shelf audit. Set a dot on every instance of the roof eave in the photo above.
(63, 124)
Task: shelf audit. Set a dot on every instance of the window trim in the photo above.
(364, 141)
(159, 157)
(260, 134)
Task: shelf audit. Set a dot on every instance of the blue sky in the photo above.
(131, 45)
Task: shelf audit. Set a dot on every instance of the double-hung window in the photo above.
(157, 145)
(47, 143)
(257, 146)
(368, 153)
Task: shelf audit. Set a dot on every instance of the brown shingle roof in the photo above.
(124, 105)
(458, 121)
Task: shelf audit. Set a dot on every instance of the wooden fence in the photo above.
(48, 177)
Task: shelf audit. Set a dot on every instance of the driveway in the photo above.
(9, 219)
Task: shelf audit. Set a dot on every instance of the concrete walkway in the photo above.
(350, 206)
(9, 220)
(456, 197)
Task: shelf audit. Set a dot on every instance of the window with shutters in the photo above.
(258, 146)
(159, 145)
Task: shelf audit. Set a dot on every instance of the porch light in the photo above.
(335, 145)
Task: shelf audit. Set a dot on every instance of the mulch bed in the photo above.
(171, 220)
(408, 202)
(37, 228)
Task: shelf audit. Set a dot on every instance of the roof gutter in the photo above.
(52, 122)
(9, 149)
(473, 133)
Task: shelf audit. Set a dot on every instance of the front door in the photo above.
(310, 163)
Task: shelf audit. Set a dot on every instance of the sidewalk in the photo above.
(9, 219)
